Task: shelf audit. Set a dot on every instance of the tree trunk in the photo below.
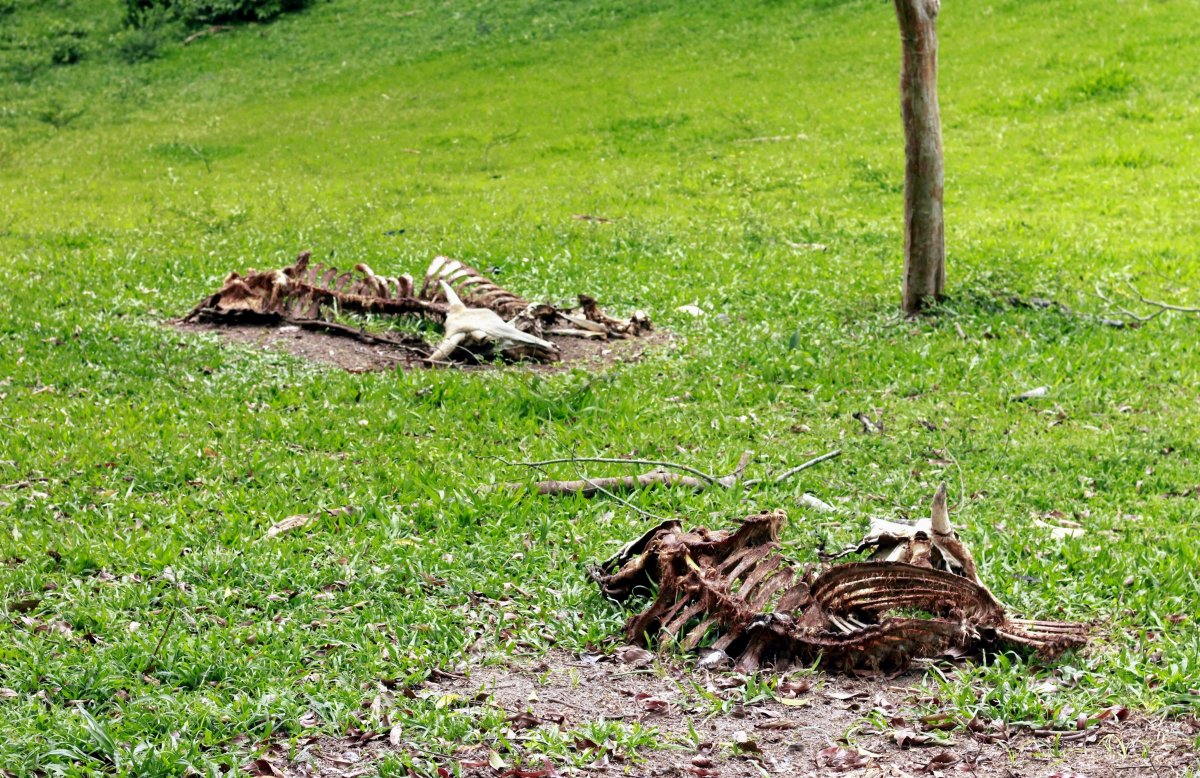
(924, 231)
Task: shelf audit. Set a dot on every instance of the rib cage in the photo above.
(307, 291)
(738, 586)
(475, 289)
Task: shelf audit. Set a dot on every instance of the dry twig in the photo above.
(1136, 294)
(786, 474)
(590, 487)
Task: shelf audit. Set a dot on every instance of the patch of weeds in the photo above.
(865, 174)
(66, 43)
(643, 129)
(1106, 84)
(181, 152)
(1128, 159)
(22, 67)
(57, 114)
(200, 12)
(140, 43)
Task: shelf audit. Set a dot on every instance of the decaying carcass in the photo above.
(736, 591)
(488, 319)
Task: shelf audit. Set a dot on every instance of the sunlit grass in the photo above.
(715, 136)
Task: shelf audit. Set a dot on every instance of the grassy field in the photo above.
(139, 469)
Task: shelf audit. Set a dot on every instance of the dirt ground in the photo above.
(358, 357)
(803, 736)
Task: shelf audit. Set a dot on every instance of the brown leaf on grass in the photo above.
(490, 759)
(840, 760)
(745, 744)
(794, 688)
(523, 720)
(652, 704)
(987, 731)
(546, 771)
(723, 682)
(583, 744)
(635, 656)
(940, 761)
(25, 605)
(1119, 712)
(55, 628)
(907, 738)
(300, 520)
(261, 767)
(776, 724)
(7, 693)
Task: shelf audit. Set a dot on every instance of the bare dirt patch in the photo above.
(357, 356)
(707, 725)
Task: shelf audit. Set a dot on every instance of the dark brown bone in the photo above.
(307, 291)
(737, 591)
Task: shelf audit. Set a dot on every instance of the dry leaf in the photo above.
(304, 519)
(841, 760)
(635, 656)
(261, 767)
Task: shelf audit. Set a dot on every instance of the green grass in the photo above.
(480, 129)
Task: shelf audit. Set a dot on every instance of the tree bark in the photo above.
(924, 230)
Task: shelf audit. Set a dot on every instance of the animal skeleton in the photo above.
(736, 589)
(306, 294)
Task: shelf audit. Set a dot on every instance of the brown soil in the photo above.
(358, 357)
(754, 739)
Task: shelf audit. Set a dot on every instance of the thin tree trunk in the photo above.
(924, 231)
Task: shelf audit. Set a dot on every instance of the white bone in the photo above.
(481, 325)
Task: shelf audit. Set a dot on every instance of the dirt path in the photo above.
(709, 725)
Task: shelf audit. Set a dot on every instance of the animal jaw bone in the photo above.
(738, 586)
(484, 327)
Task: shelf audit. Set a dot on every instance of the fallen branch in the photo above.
(619, 461)
(697, 479)
(1136, 294)
(786, 474)
(1155, 303)
(590, 487)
